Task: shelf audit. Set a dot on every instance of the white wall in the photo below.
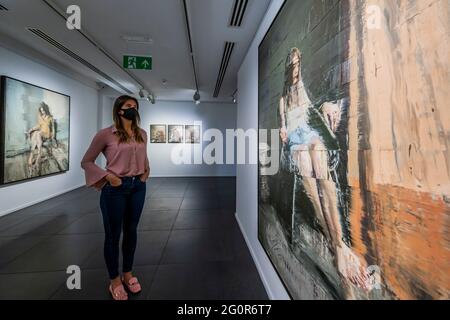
(211, 115)
(247, 175)
(83, 124)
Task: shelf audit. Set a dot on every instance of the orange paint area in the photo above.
(406, 234)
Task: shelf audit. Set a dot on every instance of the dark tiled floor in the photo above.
(190, 246)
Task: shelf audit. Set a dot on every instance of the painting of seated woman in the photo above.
(35, 131)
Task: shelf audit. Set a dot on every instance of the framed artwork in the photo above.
(192, 134)
(357, 207)
(35, 131)
(158, 133)
(175, 133)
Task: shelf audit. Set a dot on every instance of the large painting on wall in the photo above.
(35, 130)
(359, 205)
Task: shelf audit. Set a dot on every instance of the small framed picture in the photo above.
(175, 133)
(192, 134)
(158, 133)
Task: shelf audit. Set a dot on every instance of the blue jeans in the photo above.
(121, 209)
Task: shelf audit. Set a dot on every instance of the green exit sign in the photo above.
(137, 62)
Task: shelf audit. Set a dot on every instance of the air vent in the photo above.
(3, 8)
(238, 12)
(229, 46)
(70, 53)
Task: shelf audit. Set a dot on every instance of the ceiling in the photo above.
(106, 22)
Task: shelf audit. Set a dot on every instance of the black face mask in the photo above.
(130, 114)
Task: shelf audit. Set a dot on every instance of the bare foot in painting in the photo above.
(351, 268)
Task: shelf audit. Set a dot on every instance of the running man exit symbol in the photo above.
(131, 63)
(137, 62)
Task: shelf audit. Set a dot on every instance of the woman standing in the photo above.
(123, 189)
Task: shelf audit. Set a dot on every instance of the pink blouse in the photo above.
(123, 160)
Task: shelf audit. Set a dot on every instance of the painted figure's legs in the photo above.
(50, 148)
(39, 155)
(36, 143)
(329, 200)
(30, 158)
(319, 160)
(331, 211)
(347, 262)
(304, 163)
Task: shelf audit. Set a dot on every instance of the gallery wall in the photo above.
(219, 116)
(83, 123)
(389, 62)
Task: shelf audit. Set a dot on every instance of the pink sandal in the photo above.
(133, 285)
(118, 293)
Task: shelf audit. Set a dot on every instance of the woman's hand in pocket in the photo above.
(144, 176)
(114, 180)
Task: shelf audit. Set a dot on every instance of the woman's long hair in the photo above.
(121, 132)
(46, 109)
(289, 80)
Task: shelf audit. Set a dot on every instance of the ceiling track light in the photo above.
(197, 98)
(191, 52)
(144, 94)
(151, 98)
(233, 96)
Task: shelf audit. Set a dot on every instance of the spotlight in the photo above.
(151, 98)
(197, 98)
(141, 93)
(233, 96)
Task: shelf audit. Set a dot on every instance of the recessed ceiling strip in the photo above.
(191, 50)
(227, 52)
(94, 43)
(72, 54)
(237, 16)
